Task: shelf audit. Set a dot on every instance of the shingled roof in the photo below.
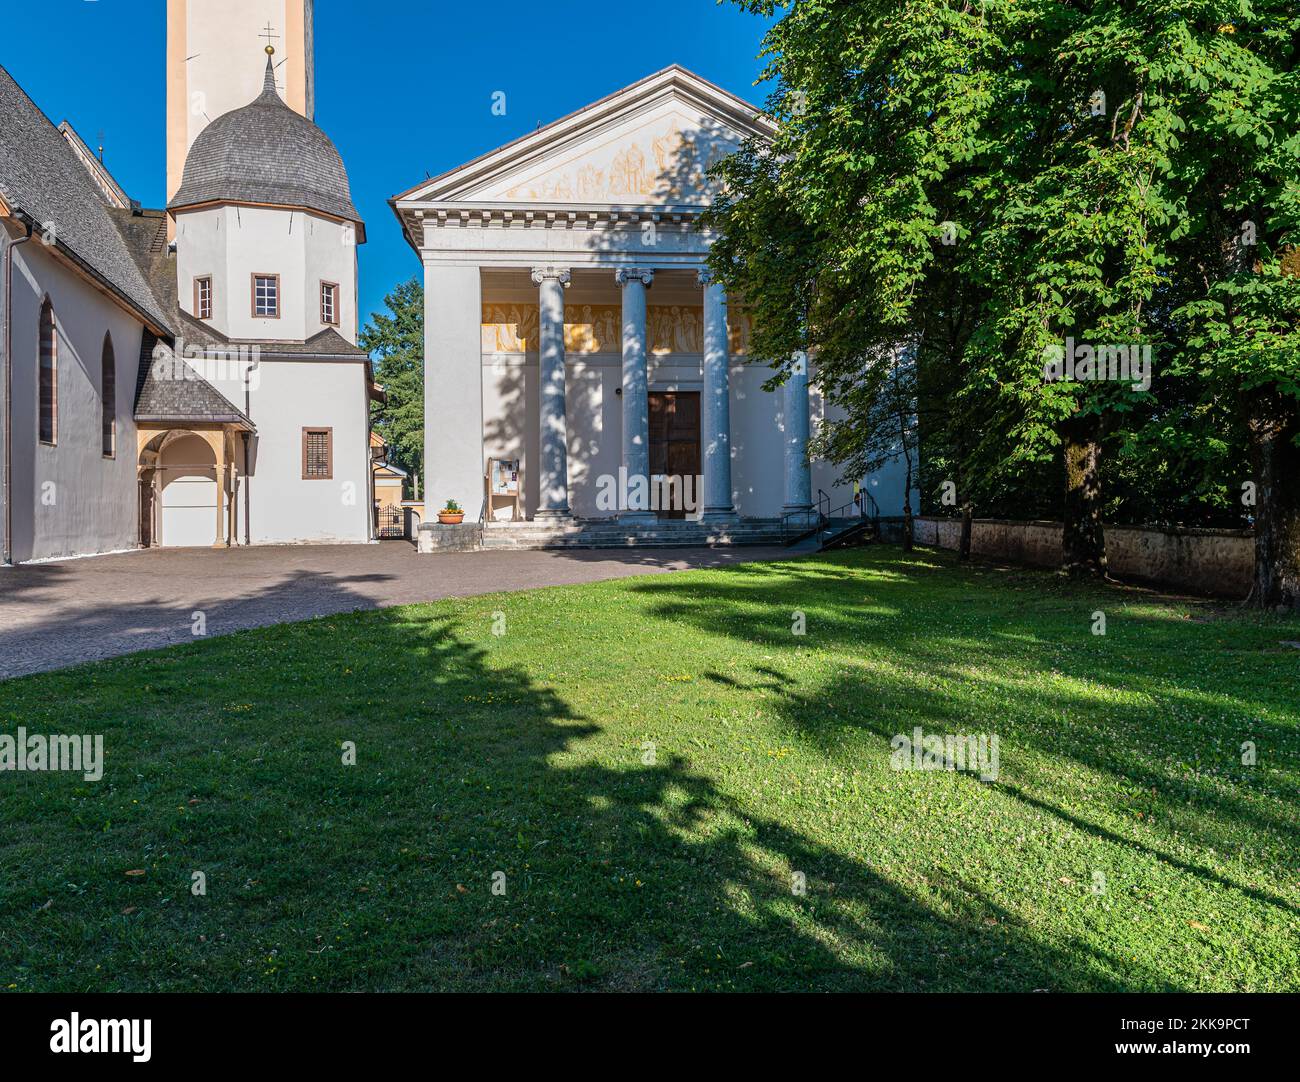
(266, 153)
(327, 344)
(45, 184)
(169, 391)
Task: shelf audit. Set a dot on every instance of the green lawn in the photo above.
(1124, 844)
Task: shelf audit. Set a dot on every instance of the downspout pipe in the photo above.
(248, 412)
(7, 383)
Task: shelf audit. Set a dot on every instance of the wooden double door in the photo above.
(675, 447)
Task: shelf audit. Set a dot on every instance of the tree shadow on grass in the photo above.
(489, 836)
(968, 655)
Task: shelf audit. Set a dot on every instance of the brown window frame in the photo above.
(198, 297)
(108, 398)
(253, 296)
(47, 305)
(333, 287)
(329, 450)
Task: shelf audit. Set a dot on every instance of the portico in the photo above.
(571, 323)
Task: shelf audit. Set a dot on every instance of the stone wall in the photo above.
(1215, 562)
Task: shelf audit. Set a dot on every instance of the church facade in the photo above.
(185, 376)
(572, 330)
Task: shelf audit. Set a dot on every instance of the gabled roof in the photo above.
(44, 183)
(486, 180)
(99, 173)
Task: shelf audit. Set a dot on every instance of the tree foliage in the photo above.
(395, 341)
(984, 182)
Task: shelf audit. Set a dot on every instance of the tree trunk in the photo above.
(1083, 544)
(1274, 425)
(967, 516)
(907, 507)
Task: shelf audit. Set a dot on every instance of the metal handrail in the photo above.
(858, 503)
(785, 524)
(825, 512)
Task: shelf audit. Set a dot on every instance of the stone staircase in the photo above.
(603, 533)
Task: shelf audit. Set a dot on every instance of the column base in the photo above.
(553, 515)
(799, 512)
(719, 514)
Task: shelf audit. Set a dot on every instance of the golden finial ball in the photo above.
(270, 50)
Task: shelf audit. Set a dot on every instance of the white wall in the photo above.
(453, 387)
(188, 484)
(233, 243)
(69, 499)
(757, 449)
(285, 397)
(886, 484)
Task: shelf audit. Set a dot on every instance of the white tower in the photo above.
(266, 232)
(208, 43)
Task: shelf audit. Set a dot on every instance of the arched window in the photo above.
(108, 398)
(49, 376)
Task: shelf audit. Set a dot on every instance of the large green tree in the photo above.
(1236, 302)
(395, 341)
(985, 182)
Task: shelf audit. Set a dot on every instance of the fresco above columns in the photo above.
(596, 328)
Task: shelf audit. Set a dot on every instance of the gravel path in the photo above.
(58, 614)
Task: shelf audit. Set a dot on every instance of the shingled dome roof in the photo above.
(266, 153)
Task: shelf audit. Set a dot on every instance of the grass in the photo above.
(649, 762)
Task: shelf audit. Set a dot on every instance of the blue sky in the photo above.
(403, 89)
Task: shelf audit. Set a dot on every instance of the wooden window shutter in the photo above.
(317, 454)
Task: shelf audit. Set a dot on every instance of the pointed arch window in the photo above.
(108, 398)
(49, 377)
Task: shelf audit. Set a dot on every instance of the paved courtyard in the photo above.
(67, 612)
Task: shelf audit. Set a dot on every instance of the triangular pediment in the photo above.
(650, 144)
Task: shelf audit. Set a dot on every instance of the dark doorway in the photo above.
(675, 449)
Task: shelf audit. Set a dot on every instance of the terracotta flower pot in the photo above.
(448, 518)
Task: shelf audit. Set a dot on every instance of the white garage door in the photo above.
(189, 511)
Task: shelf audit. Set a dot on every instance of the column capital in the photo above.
(633, 274)
(541, 274)
(705, 276)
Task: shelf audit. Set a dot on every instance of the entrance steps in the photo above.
(607, 533)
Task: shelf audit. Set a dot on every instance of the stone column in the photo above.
(219, 474)
(553, 465)
(798, 473)
(636, 394)
(715, 408)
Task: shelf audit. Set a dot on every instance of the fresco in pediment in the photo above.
(664, 162)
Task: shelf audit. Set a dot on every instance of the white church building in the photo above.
(190, 375)
(572, 331)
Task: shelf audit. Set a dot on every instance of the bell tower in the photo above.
(212, 52)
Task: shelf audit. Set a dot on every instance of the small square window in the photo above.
(203, 297)
(329, 304)
(266, 295)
